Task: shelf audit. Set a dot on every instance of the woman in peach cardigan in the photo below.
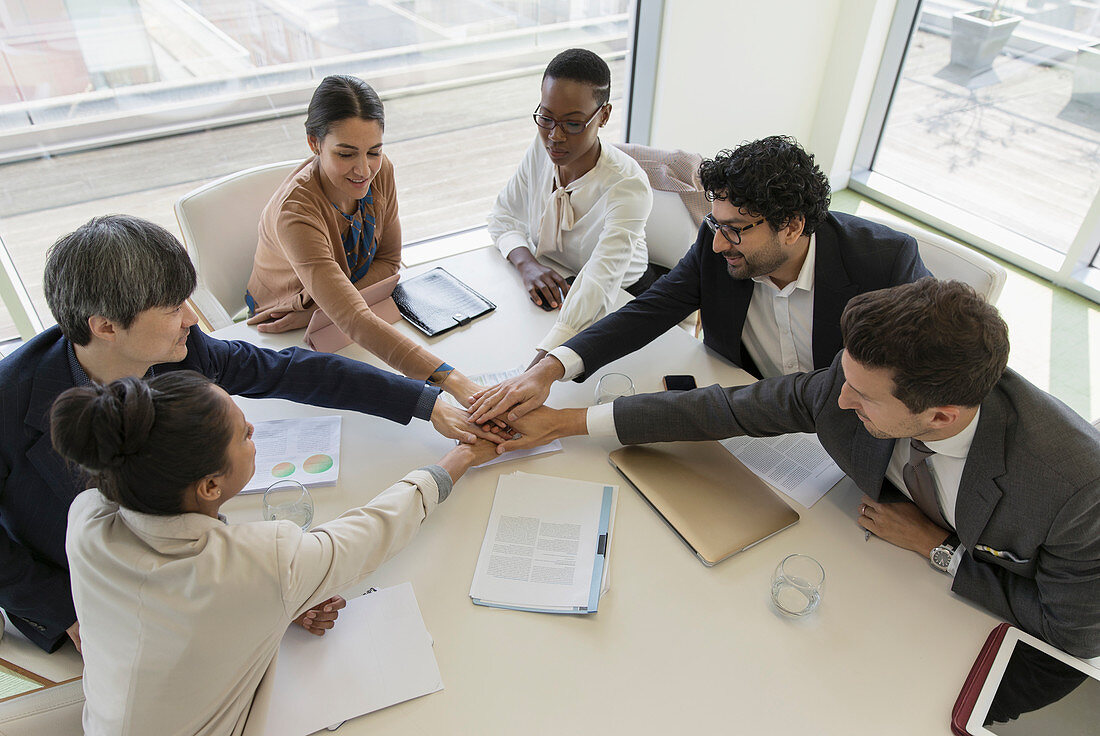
(332, 229)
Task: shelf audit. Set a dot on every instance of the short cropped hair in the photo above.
(115, 266)
(584, 66)
(943, 342)
(339, 97)
(774, 178)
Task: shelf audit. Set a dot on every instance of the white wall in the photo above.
(736, 70)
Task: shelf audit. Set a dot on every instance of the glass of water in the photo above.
(613, 386)
(797, 585)
(289, 500)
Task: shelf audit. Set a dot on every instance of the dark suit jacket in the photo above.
(1030, 485)
(853, 256)
(37, 485)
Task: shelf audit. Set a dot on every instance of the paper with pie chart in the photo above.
(306, 450)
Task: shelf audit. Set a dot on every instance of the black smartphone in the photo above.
(679, 383)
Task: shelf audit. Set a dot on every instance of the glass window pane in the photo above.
(467, 77)
(1001, 119)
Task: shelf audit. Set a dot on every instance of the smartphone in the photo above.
(679, 383)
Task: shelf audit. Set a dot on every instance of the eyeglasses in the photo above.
(569, 127)
(732, 233)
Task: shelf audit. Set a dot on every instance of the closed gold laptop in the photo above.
(713, 502)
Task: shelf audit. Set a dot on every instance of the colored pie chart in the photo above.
(317, 464)
(283, 470)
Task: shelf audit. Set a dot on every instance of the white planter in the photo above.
(1086, 76)
(977, 41)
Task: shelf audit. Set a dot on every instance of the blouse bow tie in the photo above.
(556, 218)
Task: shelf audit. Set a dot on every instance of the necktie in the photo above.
(557, 216)
(921, 485)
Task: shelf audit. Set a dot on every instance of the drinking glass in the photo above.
(289, 500)
(612, 386)
(797, 585)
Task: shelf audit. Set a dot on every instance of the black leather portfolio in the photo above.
(436, 301)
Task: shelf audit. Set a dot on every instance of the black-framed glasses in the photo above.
(569, 127)
(732, 233)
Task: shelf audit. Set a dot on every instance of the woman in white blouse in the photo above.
(181, 615)
(576, 202)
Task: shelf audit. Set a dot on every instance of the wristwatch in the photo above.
(941, 556)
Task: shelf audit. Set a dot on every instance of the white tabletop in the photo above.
(675, 646)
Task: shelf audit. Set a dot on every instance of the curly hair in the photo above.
(944, 343)
(774, 178)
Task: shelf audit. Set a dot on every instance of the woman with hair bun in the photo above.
(181, 614)
(331, 229)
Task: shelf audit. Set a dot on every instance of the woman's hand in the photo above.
(450, 421)
(543, 284)
(280, 320)
(321, 617)
(74, 634)
(462, 458)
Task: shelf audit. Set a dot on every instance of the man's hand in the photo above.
(280, 320)
(545, 425)
(543, 284)
(518, 395)
(902, 524)
(321, 617)
(74, 634)
(450, 421)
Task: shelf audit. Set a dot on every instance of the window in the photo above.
(990, 127)
(125, 105)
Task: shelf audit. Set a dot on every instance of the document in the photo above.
(546, 545)
(378, 654)
(796, 464)
(306, 450)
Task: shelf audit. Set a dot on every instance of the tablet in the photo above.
(1033, 688)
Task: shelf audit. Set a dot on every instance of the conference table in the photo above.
(675, 646)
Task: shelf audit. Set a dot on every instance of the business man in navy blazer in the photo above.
(770, 271)
(117, 287)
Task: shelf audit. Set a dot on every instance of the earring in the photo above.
(219, 494)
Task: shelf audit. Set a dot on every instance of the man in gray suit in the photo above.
(994, 481)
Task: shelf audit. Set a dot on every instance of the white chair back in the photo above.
(55, 711)
(219, 224)
(947, 259)
(670, 229)
(15, 298)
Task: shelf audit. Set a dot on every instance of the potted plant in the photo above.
(977, 36)
(1086, 75)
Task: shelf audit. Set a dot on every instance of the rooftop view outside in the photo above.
(1017, 142)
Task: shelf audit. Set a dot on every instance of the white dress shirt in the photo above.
(778, 331)
(946, 467)
(181, 616)
(601, 237)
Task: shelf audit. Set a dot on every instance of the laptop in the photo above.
(325, 337)
(716, 505)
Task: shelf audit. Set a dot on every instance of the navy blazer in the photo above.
(1030, 485)
(37, 485)
(853, 256)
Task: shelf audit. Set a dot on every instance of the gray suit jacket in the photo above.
(1030, 486)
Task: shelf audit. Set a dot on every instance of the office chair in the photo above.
(15, 297)
(947, 259)
(219, 222)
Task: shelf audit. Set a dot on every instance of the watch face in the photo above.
(941, 557)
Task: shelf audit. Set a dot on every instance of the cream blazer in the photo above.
(181, 616)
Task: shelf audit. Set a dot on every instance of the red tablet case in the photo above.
(964, 705)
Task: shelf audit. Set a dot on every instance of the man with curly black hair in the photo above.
(770, 271)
